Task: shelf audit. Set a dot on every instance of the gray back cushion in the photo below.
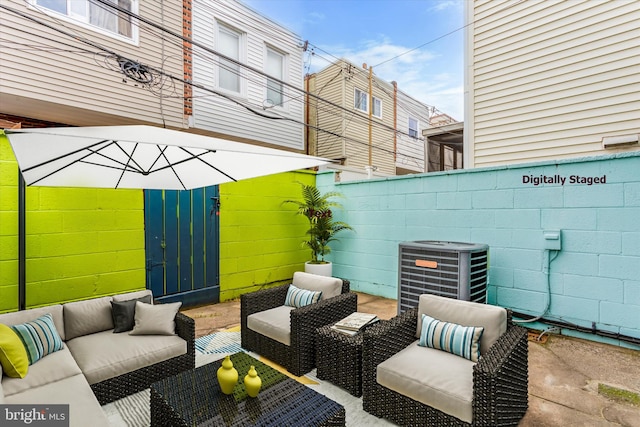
(87, 317)
(330, 286)
(465, 313)
(24, 316)
(133, 295)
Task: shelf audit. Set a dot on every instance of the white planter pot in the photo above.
(319, 269)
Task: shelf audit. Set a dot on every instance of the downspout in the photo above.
(395, 122)
(22, 243)
(306, 113)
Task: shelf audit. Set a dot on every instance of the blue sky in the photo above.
(375, 31)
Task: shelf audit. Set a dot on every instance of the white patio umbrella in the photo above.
(143, 157)
(135, 157)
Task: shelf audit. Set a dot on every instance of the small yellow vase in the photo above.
(252, 382)
(227, 376)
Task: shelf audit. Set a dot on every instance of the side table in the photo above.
(339, 359)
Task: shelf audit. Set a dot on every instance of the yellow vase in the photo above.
(252, 382)
(227, 376)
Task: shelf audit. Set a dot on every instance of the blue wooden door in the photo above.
(182, 245)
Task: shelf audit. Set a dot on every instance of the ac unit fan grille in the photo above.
(448, 273)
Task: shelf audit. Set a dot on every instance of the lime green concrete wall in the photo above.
(260, 238)
(81, 243)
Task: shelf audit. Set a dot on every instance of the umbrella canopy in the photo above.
(143, 157)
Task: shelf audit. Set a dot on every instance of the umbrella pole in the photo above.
(22, 291)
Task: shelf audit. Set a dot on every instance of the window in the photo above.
(360, 100)
(413, 128)
(229, 71)
(274, 68)
(95, 13)
(377, 107)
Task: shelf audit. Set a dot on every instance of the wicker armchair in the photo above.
(499, 378)
(299, 356)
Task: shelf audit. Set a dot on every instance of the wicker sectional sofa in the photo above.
(96, 366)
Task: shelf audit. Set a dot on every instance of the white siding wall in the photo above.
(548, 79)
(411, 150)
(214, 113)
(45, 75)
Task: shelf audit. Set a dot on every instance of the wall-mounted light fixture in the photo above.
(619, 141)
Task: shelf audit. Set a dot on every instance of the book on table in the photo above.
(356, 321)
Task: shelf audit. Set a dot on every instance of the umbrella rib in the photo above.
(67, 155)
(62, 157)
(207, 163)
(129, 159)
(169, 165)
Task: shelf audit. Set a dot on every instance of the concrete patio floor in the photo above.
(564, 373)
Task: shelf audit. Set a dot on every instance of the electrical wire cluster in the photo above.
(162, 84)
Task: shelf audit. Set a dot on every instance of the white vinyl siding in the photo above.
(551, 78)
(241, 116)
(343, 133)
(410, 146)
(66, 86)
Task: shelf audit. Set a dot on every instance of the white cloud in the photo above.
(418, 73)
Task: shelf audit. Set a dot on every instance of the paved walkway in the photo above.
(565, 374)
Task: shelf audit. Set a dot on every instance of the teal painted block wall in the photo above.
(594, 279)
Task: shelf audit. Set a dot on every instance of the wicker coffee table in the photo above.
(339, 359)
(193, 398)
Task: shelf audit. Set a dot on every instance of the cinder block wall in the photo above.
(260, 238)
(80, 243)
(594, 278)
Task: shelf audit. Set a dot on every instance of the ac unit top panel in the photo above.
(443, 245)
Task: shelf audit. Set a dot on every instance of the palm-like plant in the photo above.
(316, 207)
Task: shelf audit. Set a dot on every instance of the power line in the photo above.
(161, 72)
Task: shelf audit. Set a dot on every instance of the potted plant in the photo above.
(316, 207)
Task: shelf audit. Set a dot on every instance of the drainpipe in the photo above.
(306, 113)
(395, 121)
(22, 243)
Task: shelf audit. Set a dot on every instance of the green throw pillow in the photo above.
(463, 341)
(40, 337)
(297, 297)
(13, 356)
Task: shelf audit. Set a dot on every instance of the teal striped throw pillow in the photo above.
(460, 340)
(40, 337)
(297, 297)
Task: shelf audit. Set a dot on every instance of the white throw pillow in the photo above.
(158, 319)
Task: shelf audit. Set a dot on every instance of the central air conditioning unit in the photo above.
(449, 269)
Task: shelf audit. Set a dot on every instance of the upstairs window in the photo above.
(275, 68)
(413, 127)
(360, 100)
(229, 44)
(96, 14)
(377, 107)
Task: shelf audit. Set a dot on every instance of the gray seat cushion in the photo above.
(106, 355)
(274, 323)
(51, 368)
(436, 378)
(84, 409)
